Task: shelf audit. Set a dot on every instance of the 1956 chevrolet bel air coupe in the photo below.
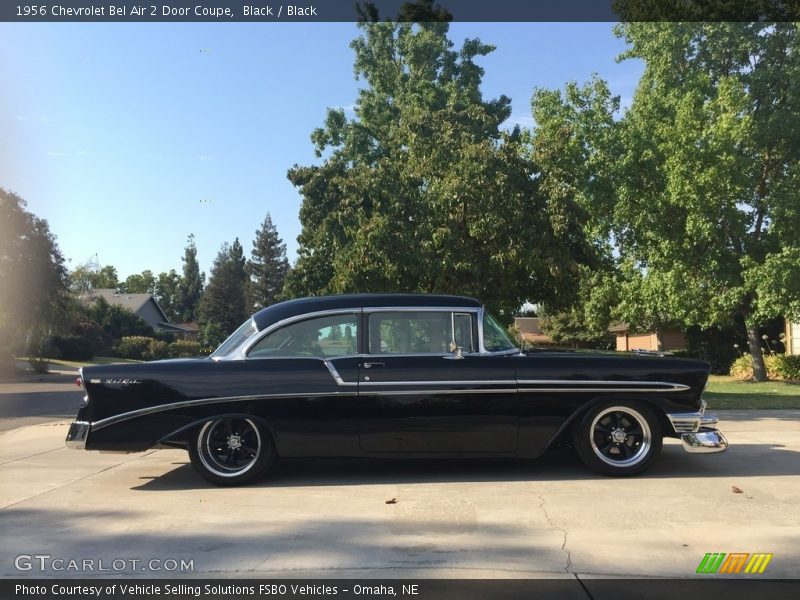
(392, 375)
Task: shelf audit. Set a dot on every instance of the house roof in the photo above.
(619, 327)
(530, 331)
(133, 302)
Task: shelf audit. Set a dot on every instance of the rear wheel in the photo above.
(620, 439)
(231, 451)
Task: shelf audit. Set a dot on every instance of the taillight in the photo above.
(79, 382)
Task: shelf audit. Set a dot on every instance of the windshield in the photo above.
(495, 338)
(236, 339)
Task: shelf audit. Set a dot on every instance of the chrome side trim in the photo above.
(444, 382)
(619, 386)
(78, 432)
(704, 442)
(437, 392)
(200, 401)
(336, 377)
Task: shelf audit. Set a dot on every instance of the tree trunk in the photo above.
(754, 342)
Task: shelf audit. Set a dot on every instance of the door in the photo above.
(416, 396)
(308, 371)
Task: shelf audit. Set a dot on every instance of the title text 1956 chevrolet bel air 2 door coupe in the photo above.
(392, 375)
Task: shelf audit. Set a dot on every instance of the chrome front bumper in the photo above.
(704, 442)
(698, 431)
(78, 432)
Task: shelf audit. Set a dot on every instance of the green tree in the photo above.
(90, 276)
(223, 302)
(190, 288)
(267, 267)
(422, 190)
(32, 275)
(575, 145)
(166, 291)
(707, 213)
(117, 321)
(139, 283)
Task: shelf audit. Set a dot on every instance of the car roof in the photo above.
(290, 308)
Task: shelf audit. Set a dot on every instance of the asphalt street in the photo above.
(39, 399)
(338, 518)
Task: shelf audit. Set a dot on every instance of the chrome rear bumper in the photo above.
(78, 432)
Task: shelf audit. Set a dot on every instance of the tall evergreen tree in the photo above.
(223, 303)
(191, 285)
(267, 266)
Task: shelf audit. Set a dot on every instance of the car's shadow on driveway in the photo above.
(749, 460)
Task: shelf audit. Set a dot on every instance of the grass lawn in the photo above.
(726, 393)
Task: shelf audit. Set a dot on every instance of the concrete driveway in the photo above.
(448, 519)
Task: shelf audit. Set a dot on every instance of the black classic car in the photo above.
(392, 375)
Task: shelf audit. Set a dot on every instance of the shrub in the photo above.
(786, 366)
(134, 346)
(157, 350)
(742, 367)
(187, 349)
(779, 366)
(69, 347)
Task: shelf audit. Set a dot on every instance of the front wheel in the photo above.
(620, 439)
(231, 451)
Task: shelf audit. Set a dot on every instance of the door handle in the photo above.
(369, 365)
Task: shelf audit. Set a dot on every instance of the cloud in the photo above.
(58, 153)
(204, 157)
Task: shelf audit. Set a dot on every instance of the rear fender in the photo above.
(183, 435)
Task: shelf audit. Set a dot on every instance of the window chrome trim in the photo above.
(446, 309)
(478, 311)
(259, 335)
(483, 349)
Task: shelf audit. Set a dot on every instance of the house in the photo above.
(666, 340)
(792, 339)
(146, 308)
(530, 332)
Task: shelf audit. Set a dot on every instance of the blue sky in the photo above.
(128, 137)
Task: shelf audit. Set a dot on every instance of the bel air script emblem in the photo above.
(122, 381)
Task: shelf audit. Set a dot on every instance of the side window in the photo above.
(331, 335)
(423, 332)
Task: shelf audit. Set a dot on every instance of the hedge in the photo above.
(140, 347)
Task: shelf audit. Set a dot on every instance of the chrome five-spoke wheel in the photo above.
(231, 450)
(621, 439)
(620, 436)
